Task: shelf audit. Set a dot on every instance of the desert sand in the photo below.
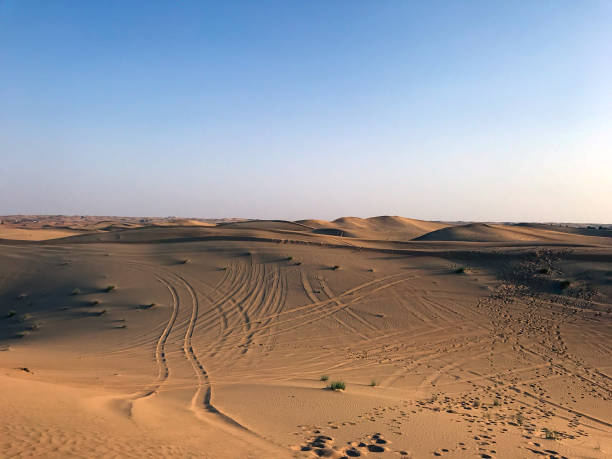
(137, 337)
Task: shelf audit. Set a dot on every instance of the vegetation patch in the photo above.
(337, 385)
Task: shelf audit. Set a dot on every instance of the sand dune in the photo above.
(219, 341)
(384, 227)
(27, 234)
(481, 232)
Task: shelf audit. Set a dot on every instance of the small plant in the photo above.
(335, 268)
(289, 258)
(94, 302)
(373, 383)
(476, 403)
(496, 402)
(324, 378)
(76, 291)
(147, 306)
(110, 288)
(337, 385)
(460, 270)
(185, 261)
(543, 270)
(520, 419)
(550, 434)
(101, 313)
(564, 284)
(370, 270)
(11, 314)
(297, 263)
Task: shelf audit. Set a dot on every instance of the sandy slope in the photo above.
(27, 234)
(384, 227)
(213, 342)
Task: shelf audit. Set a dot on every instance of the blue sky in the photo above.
(285, 109)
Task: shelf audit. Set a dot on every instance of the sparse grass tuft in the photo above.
(146, 306)
(550, 434)
(110, 288)
(94, 302)
(76, 291)
(289, 258)
(373, 383)
(335, 268)
(564, 284)
(337, 385)
(460, 270)
(185, 261)
(496, 402)
(324, 378)
(11, 314)
(101, 313)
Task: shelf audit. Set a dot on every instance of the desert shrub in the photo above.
(335, 268)
(324, 378)
(110, 288)
(11, 314)
(373, 383)
(460, 270)
(550, 434)
(76, 291)
(337, 385)
(564, 284)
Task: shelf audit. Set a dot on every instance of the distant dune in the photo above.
(383, 227)
(482, 232)
(26, 234)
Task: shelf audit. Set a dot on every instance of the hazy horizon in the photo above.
(284, 110)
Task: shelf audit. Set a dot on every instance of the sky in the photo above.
(439, 110)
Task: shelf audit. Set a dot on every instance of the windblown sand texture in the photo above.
(135, 337)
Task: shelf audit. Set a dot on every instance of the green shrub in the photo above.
(324, 378)
(76, 291)
(337, 385)
(110, 288)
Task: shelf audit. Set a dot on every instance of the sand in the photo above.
(191, 338)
